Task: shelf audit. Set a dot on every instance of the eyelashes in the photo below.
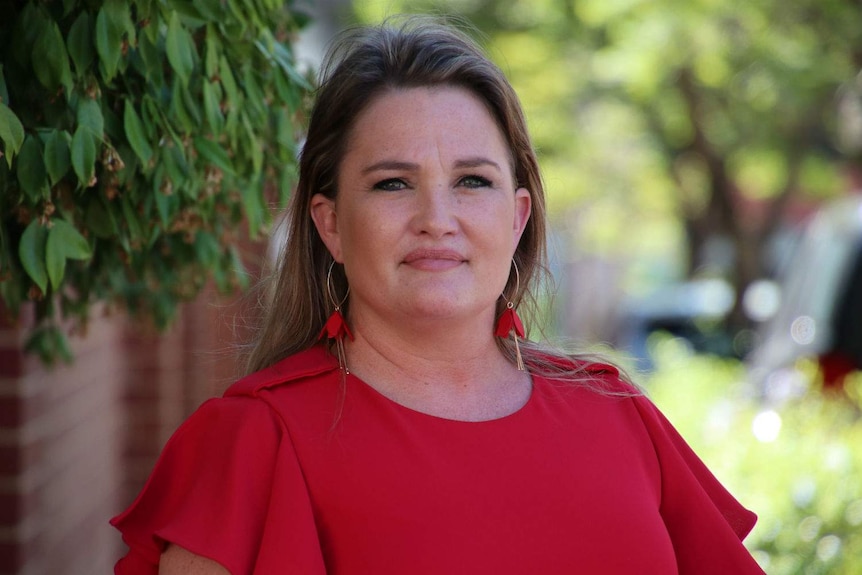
(397, 184)
(390, 185)
(474, 182)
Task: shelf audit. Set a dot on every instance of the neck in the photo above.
(452, 371)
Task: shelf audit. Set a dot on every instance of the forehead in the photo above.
(406, 121)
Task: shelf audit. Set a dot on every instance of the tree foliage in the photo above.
(138, 139)
(691, 122)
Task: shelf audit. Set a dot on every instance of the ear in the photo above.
(325, 219)
(523, 208)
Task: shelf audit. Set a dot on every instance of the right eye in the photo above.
(391, 185)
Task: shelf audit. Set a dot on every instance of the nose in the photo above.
(435, 210)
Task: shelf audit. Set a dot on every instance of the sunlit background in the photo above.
(702, 164)
(703, 167)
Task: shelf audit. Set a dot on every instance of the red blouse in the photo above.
(294, 472)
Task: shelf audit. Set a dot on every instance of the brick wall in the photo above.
(59, 469)
(78, 441)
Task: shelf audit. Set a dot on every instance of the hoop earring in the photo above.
(509, 321)
(336, 327)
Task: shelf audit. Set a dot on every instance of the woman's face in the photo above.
(427, 216)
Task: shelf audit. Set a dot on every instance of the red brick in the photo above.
(10, 509)
(11, 559)
(10, 460)
(10, 412)
(11, 362)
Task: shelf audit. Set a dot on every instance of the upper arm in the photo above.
(176, 560)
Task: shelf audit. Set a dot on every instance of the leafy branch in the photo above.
(138, 139)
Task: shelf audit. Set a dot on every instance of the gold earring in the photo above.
(335, 327)
(509, 322)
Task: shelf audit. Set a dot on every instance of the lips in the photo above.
(431, 259)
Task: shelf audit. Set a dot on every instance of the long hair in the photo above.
(362, 64)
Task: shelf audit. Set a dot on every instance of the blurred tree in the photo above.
(710, 113)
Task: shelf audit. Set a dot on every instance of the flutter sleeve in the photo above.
(227, 486)
(705, 522)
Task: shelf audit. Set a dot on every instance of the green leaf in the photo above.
(49, 53)
(211, 10)
(238, 14)
(285, 61)
(207, 248)
(136, 231)
(31, 250)
(31, 169)
(55, 261)
(151, 58)
(167, 207)
(255, 148)
(147, 10)
(113, 125)
(231, 126)
(80, 42)
(239, 269)
(135, 133)
(178, 110)
(255, 100)
(212, 110)
(192, 107)
(176, 165)
(294, 96)
(284, 130)
(90, 116)
(31, 24)
(121, 17)
(285, 184)
(214, 154)
(255, 210)
(64, 242)
(4, 90)
(100, 221)
(11, 132)
(108, 41)
(57, 156)
(229, 83)
(211, 54)
(50, 344)
(180, 49)
(84, 155)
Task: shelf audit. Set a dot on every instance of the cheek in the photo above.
(366, 233)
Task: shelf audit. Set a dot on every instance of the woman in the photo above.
(423, 436)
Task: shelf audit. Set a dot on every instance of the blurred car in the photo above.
(819, 315)
(693, 311)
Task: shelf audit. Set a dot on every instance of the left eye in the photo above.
(474, 182)
(390, 185)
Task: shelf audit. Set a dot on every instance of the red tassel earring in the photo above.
(509, 322)
(336, 326)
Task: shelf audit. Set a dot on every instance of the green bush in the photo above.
(139, 138)
(797, 465)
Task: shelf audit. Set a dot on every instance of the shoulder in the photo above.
(180, 561)
(311, 363)
(591, 372)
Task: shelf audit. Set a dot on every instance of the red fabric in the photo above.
(295, 472)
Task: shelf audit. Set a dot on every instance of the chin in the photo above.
(444, 308)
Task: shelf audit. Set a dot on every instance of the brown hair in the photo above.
(361, 64)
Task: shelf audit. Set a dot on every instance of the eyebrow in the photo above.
(474, 162)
